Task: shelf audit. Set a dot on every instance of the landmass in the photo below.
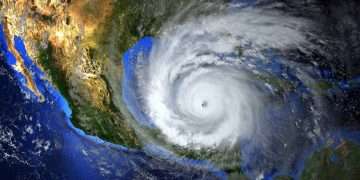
(79, 45)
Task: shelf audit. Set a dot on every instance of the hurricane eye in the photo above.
(204, 104)
(237, 86)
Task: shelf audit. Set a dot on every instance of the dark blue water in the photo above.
(335, 132)
(38, 140)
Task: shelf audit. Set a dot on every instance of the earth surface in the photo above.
(76, 97)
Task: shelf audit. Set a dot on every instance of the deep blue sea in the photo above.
(38, 140)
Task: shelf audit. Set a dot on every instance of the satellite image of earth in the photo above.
(180, 89)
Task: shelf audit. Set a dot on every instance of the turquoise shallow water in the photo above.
(296, 107)
(43, 143)
(39, 139)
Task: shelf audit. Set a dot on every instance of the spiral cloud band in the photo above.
(195, 89)
(224, 80)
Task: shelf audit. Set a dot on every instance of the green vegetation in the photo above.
(134, 19)
(281, 84)
(130, 20)
(342, 162)
(104, 124)
(226, 159)
(107, 125)
(47, 61)
(321, 86)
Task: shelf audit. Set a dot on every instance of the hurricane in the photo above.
(231, 79)
(180, 89)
